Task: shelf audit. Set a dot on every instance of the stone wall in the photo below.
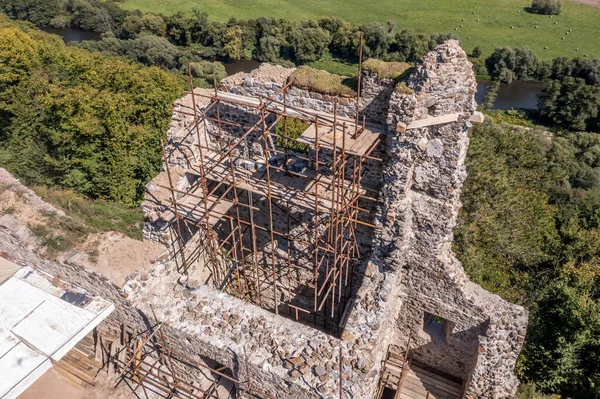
(373, 104)
(482, 334)
(411, 279)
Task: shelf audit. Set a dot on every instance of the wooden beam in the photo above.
(434, 120)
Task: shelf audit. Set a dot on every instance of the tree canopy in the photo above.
(80, 120)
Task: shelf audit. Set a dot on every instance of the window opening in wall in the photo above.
(439, 329)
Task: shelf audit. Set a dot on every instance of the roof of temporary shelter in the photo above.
(41, 319)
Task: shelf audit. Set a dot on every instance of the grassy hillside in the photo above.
(428, 16)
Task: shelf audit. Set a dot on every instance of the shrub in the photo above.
(386, 70)
(322, 82)
(547, 7)
(208, 71)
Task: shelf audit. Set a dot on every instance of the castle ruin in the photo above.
(319, 265)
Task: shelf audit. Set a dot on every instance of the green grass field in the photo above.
(486, 23)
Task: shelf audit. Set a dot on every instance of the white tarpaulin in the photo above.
(7, 269)
(41, 319)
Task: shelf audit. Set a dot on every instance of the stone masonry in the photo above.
(412, 285)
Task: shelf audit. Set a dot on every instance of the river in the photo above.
(73, 35)
(519, 94)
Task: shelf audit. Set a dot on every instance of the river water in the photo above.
(519, 94)
(73, 35)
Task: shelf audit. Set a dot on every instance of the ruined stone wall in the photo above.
(483, 334)
(411, 271)
(373, 104)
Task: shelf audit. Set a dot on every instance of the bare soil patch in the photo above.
(591, 3)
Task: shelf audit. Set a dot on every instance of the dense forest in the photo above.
(77, 118)
(80, 120)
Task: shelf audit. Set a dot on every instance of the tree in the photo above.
(410, 46)
(509, 64)
(268, 49)
(569, 102)
(476, 53)
(39, 12)
(208, 71)
(233, 42)
(84, 121)
(179, 29)
(546, 7)
(88, 17)
(309, 42)
(377, 38)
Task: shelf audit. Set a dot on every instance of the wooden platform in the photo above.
(78, 365)
(420, 383)
(193, 208)
(358, 146)
(285, 187)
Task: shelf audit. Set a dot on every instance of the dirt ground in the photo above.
(52, 385)
(591, 3)
(114, 255)
(111, 254)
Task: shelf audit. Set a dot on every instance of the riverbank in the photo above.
(484, 24)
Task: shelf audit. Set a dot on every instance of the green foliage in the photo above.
(323, 82)
(476, 53)
(386, 70)
(233, 42)
(491, 94)
(546, 6)
(310, 42)
(571, 103)
(208, 72)
(507, 64)
(80, 120)
(96, 215)
(506, 228)
(530, 231)
(39, 12)
(491, 24)
(402, 88)
(377, 38)
(289, 129)
(335, 66)
(529, 391)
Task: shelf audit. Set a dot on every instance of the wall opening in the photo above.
(438, 328)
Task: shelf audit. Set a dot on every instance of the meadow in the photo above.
(487, 24)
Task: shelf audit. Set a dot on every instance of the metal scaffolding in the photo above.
(228, 195)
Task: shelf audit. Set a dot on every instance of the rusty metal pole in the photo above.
(179, 236)
(360, 56)
(316, 261)
(270, 198)
(209, 231)
(218, 115)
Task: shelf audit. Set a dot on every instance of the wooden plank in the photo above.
(73, 373)
(418, 370)
(84, 358)
(433, 384)
(70, 376)
(358, 146)
(435, 120)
